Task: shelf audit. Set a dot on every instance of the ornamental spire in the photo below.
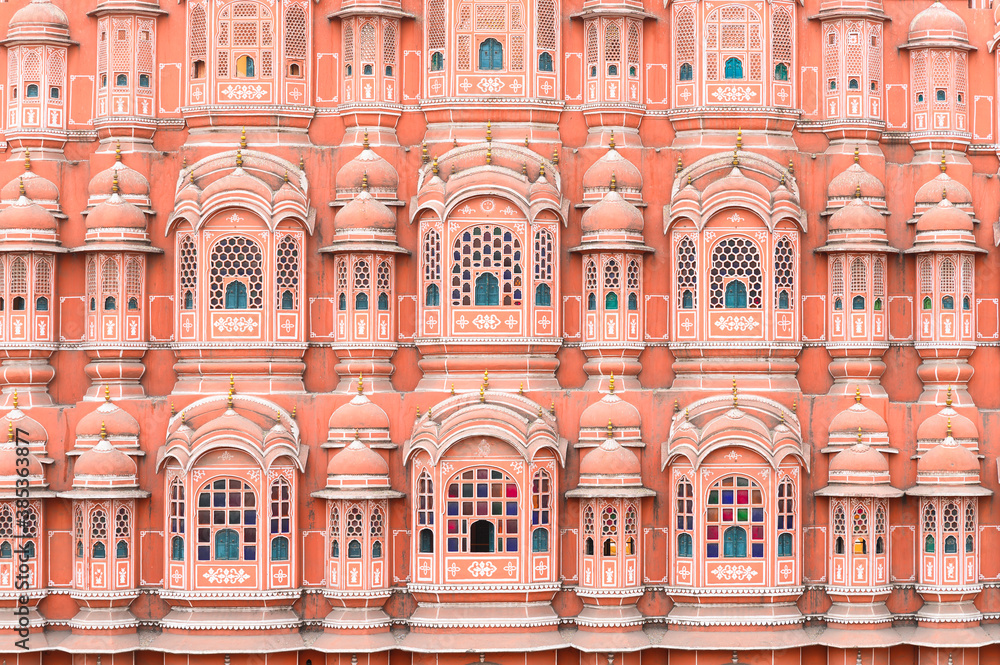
(857, 394)
(107, 393)
(947, 399)
(611, 384)
(10, 431)
(857, 154)
(104, 431)
(555, 155)
(944, 162)
(859, 434)
(239, 158)
(614, 183)
(736, 395)
(611, 142)
(611, 431)
(118, 151)
(114, 183)
(243, 137)
(364, 141)
(361, 383)
(15, 398)
(739, 139)
(27, 159)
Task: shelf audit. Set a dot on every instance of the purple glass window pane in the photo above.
(512, 507)
(512, 544)
(713, 551)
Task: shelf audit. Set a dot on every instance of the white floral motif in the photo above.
(486, 322)
(488, 205)
(490, 84)
(734, 94)
(482, 569)
(244, 91)
(731, 572)
(740, 323)
(510, 568)
(226, 575)
(231, 324)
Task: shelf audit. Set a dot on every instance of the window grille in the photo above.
(236, 258)
(736, 260)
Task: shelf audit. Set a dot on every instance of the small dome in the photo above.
(612, 165)
(858, 417)
(25, 214)
(947, 422)
(109, 419)
(41, 13)
(612, 213)
(848, 182)
(131, 183)
(359, 413)
(104, 460)
(929, 193)
(859, 459)
(610, 459)
(30, 429)
(116, 213)
(230, 421)
(948, 457)
(938, 23)
(944, 217)
(735, 422)
(36, 188)
(856, 215)
(364, 212)
(610, 409)
(357, 459)
(9, 465)
(381, 176)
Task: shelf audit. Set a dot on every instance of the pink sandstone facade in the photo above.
(519, 332)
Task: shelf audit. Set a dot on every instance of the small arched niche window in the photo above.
(487, 290)
(481, 536)
(781, 72)
(687, 72)
(236, 295)
(279, 549)
(31, 91)
(734, 69)
(941, 96)
(143, 80)
(853, 84)
(543, 296)
(54, 92)
(685, 546)
(295, 70)
(437, 61)
(490, 55)
(545, 62)
(121, 80)
(245, 67)
(197, 72)
(426, 541)
(432, 297)
(176, 548)
(736, 295)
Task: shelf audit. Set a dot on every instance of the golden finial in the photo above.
(611, 384)
(114, 183)
(680, 164)
(183, 417)
(526, 144)
(104, 431)
(782, 181)
(229, 399)
(541, 170)
(739, 139)
(423, 151)
(736, 396)
(482, 394)
(489, 131)
(614, 183)
(452, 387)
(857, 191)
(10, 431)
(15, 398)
(791, 166)
(540, 413)
(118, 151)
(302, 163)
(611, 141)
(944, 162)
(294, 408)
(239, 158)
(611, 431)
(20, 185)
(944, 193)
(520, 389)
(434, 167)
(524, 168)
(277, 421)
(782, 417)
(555, 155)
(285, 177)
(232, 382)
(27, 159)
(107, 393)
(430, 412)
(795, 406)
(364, 181)
(184, 162)
(489, 155)
(857, 155)
(857, 394)
(552, 407)
(677, 405)
(947, 399)
(859, 434)
(949, 425)
(173, 411)
(687, 413)
(418, 412)
(243, 137)
(486, 378)
(364, 141)
(361, 383)
(736, 158)
(454, 142)
(192, 176)
(689, 179)
(453, 168)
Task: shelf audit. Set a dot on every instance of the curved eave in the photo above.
(937, 43)
(843, 490)
(945, 247)
(131, 8)
(599, 492)
(50, 40)
(359, 493)
(875, 248)
(614, 11)
(32, 247)
(359, 246)
(948, 490)
(612, 246)
(109, 246)
(369, 10)
(831, 14)
(103, 493)
(36, 493)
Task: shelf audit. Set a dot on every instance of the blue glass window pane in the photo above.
(249, 517)
(512, 508)
(758, 550)
(453, 544)
(727, 497)
(758, 516)
(512, 544)
(204, 553)
(713, 551)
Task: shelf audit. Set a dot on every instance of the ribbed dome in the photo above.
(359, 413)
(948, 457)
(947, 422)
(104, 460)
(612, 165)
(357, 459)
(36, 188)
(945, 217)
(858, 416)
(610, 409)
(112, 419)
(610, 459)
(929, 193)
(9, 466)
(381, 176)
(41, 13)
(937, 22)
(26, 214)
(364, 212)
(131, 183)
(856, 215)
(847, 183)
(860, 459)
(612, 213)
(117, 213)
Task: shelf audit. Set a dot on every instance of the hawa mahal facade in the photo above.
(446, 332)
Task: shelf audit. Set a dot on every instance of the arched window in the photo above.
(383, 285)
(736, 259)
(929, 526)
(781, 72)
(685, 516)
(734, 71)
(684, 41)
(98, 533)
(590, 285)
(376, 530)
(685, 547)
(487, 250)
(280, 509)
(543, 296)
(785, 544)
(859, 530)
(123, 531)
(426, 541)
(245, 67)
(176, 548)
(279, 549)
(611, 301)
(784, 273)
(229, 503)
(354, 531)
(632, 285)
(121, 549)
(612, 284)
(464, 491)
(31, 91)
(287, 272)
(188, 270)
(334, 532)
(781, 42)
(786, 516)
(736, 501)
(588, 530)
(236, 259)
(425, 512)
(609, 531)
(490, 55)
(437, 61)
(686, 72)
(545, 62)
(541, 511)
(433, 296)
